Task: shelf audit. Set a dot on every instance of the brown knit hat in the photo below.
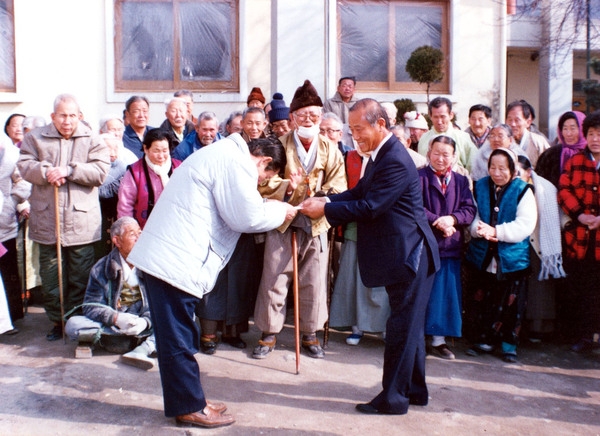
(306, 95)
(256, 94)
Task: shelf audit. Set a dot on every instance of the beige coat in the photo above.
(88, 159)
(328, 173)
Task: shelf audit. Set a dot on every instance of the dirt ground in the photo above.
(45, 391)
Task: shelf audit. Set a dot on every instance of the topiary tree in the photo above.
(425, 65)
(404, 105)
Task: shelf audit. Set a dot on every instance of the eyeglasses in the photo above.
(328, 131)
(302, 116)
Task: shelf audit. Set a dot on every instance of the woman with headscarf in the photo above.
(499, 255)
(570, 141)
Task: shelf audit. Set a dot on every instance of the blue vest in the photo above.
(512, 257)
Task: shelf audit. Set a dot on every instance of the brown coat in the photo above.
(89, 162)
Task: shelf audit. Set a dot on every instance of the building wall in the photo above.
(282, 43)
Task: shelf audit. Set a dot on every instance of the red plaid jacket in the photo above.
(578, 193)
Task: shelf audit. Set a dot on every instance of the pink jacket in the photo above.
(133, 192)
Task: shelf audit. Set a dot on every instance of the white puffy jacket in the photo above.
(209, 201)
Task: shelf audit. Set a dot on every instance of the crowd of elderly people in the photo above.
(516, 221)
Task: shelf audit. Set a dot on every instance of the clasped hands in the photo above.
(591, 221)
(130, 325)
(57, 175)
(445, 224)
(486, 231)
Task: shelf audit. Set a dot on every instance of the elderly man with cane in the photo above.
(65, 163)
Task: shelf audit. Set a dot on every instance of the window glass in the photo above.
(378, 37)
(147, 41)
(169, 45)
(415, 27)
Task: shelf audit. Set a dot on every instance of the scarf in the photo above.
(443, 177)
(161, 171)
(547, 230)
(570, 150)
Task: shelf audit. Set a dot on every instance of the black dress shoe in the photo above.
(55, 334)
(234, 341)
(417, 401)
(367, 408)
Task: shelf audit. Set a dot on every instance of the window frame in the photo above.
(120, 85)
(391, 86)
(10, 9)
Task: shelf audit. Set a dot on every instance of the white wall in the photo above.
(62, 47)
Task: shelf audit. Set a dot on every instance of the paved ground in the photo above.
(45, 391)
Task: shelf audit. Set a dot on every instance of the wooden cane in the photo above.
(59, 260)
(296, 300)
(330, 283)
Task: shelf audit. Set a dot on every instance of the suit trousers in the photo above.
(404, 356)
(177, 338)
(270, 309)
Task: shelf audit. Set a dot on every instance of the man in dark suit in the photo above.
(396, 249)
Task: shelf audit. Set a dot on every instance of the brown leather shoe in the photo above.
(217, 406)
(207, 418)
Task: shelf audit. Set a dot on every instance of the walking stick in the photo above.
(24, 295)
(330, 283)
(296, 300)
(59, 260)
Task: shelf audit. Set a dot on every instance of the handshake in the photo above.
(130, 325)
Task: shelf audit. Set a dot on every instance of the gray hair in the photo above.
(232, 116)
(33, 121)
(184, 92)
(504, 127)
(332, 116)
(373, 111)
(401, 129)
(207, 115)
(117, 227)
(105, 119)
(171, 100)
(63, 98)
(253, 109)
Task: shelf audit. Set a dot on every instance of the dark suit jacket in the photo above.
(388, 208)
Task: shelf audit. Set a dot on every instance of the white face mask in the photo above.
(308, 132)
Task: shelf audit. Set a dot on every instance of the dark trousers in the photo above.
(404, 355)
(77, 261)
(177, 337)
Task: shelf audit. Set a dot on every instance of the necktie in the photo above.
(369, 166)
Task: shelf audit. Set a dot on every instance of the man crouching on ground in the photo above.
(210, 200)
(117, 316)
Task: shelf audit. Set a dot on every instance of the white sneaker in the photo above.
(354, 338)
(138, 357)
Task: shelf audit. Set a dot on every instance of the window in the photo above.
(7, 47)
(377, 38)
(165, 45)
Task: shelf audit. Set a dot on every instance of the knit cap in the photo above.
(256, 94)
(279, 111)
